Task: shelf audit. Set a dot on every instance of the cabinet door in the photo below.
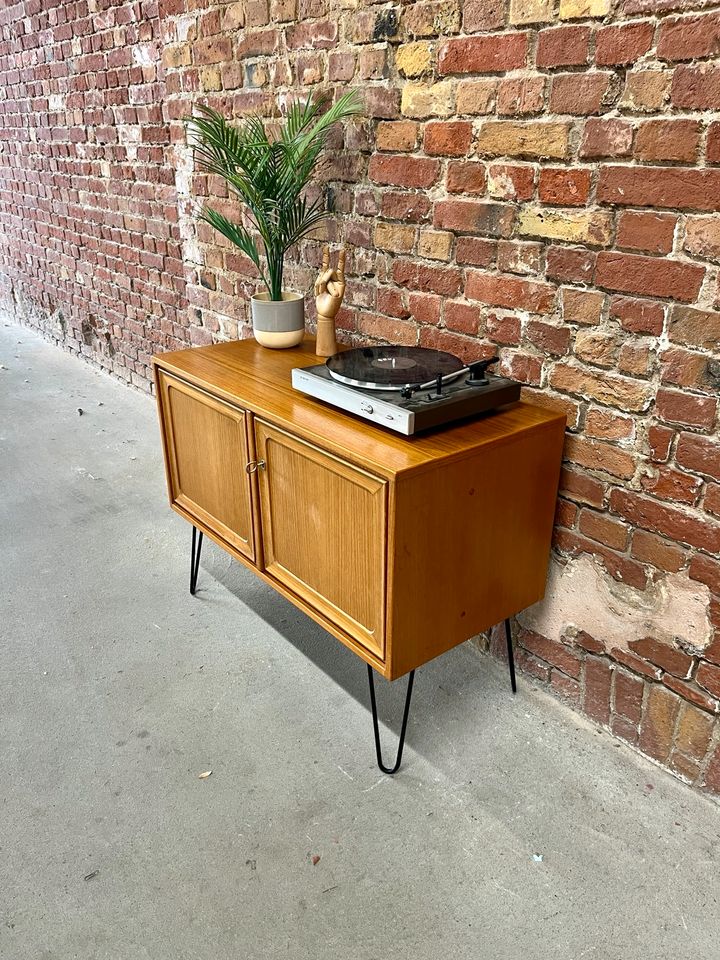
(206, 454)
(323, 532)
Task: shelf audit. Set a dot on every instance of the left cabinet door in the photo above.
(206, 452)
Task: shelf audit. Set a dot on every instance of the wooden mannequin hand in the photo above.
(330, 286)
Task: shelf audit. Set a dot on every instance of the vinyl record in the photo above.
(391, 367)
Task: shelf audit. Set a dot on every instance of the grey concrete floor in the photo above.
(117, 689)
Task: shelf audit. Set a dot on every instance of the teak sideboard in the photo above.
(399, 547)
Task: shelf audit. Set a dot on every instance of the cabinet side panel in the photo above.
(471, 544)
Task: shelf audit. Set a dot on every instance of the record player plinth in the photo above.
(399, 547)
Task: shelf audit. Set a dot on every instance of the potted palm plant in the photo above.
(269, 173)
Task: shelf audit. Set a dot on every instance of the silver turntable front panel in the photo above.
(362, 404)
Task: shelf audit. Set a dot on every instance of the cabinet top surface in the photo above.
(258, 379)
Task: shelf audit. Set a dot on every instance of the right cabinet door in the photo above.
(324, 532)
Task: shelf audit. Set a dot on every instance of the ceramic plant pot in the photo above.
(278, 323)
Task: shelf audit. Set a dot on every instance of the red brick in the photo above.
(596, 695)
(624, 729)
(403, 171)
(713, 142)
(586, 642)
(565, 513)
(668, 484)
(624, 43)
(628, 696)
(317, 34)
(409, 207)
(707, 571)
(692, 693)
(516, 256)
(607, 425)
(699, 454)
(462, 317)
(467, 349)
(653, 232)
(683, 188)
(596, 455)
(447, 139)
(702, 237)
(659, 440)
(606, 138)
(503, 329)
(473, 216)
(511, 292)
(551, 652)
(708, 677)
(466, 176)
(479, 15)
(446, 281)
(638, 316)
(510, 182)
(570, 265)
(668, 658)
(476, 251)
(671, 522)
(601, 527)
(390, 330)
(696, 87)
(668, 140)
(712, 499)
(563, 47)
(552, 338)
(496, 53)
(522, 367)
(567, 186)
(518, 96)
(688, 38)
(695, 328)
(677, 406)
(648, 275)
(686, 368)
(658, 723)
(390, 302)
(580, 93)
(566, 687)
(425, 307)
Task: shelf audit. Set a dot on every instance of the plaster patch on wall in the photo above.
(581, 596)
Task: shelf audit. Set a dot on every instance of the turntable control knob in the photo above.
(366, 407)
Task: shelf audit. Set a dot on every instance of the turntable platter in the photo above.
(391, 367)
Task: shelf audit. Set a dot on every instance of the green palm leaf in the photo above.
(269, 176)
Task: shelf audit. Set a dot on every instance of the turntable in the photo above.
(407, 389)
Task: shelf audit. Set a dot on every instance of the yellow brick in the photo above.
(531, 11)
(435, 244)
(394, 237)
(178, 55)
(575, 9)
(210, 78)
(579, 226)
(428, 100)
(476, 96)
(413, 59)
(509, 138)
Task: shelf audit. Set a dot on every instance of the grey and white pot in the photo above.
(278, 323)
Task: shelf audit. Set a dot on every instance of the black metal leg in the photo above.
(197, 539)
(378, 751)
(511, 658)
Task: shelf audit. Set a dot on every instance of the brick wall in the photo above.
(89, 232)
(536, 177)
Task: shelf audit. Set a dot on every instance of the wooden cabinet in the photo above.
(400, 547)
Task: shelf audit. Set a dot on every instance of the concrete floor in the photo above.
(117, 689)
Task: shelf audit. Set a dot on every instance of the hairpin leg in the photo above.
(378, 750)
(197, 539)
(511, 658)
